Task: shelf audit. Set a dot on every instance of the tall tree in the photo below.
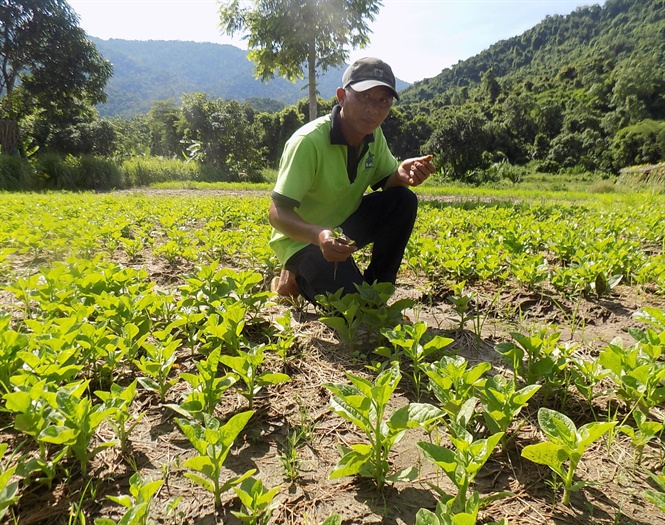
(43, 47)
(285, 35)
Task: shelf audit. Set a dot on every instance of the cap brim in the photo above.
(364, 85)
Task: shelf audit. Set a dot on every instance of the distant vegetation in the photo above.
(145, 71)
(577, 94)
(587, 89)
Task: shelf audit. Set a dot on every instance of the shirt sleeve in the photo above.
(297, 170)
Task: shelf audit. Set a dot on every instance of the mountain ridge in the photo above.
(150, 70)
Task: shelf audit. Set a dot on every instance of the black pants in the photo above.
(384, 219)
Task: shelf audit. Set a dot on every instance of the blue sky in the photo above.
(418, 38)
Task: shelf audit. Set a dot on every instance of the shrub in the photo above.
(143, 171)
(54, 173)
(15, 173)
(97, 173)
(603, 186)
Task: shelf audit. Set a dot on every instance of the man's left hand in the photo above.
(413, 172)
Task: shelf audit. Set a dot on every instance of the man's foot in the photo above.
(285, 285)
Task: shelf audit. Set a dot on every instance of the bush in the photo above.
(98, 173)
(15, 173)
(547, 166)
(54, 173)
(143, 171)
(603, 186)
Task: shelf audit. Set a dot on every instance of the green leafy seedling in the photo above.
(339, 236)
(454, 385)
(657, 497)
(120, 419)
(444, 515)
(257, 502)
(8, 488)
(349, 323)
(461, 464)
(137, 503)
(502, 402)
(643, 432)
(246, 366)
(213, 442)
(156, 363)
(207, 388)
(73, 422)
(364, 404)
(566, 443)
(410, 341)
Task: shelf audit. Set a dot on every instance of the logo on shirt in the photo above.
(369, 161)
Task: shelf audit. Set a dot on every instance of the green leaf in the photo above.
(549, 454)
(558, 427)
(273, 378)
(591, 432)
(406, 474)
(352, 462)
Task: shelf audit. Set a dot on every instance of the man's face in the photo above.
(364, 111)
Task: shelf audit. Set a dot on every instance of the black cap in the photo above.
(366, 73)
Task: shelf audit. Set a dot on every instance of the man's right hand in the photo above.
(335, 248)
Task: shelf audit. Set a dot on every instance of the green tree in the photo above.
(43, 49)
(164, 123)
(283, 35)
(223, 133)
(458, 143)
(490, 87)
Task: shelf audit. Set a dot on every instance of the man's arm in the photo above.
(284, 218)
(411, 172)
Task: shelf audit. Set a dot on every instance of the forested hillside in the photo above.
(145, 71)
(584, 89)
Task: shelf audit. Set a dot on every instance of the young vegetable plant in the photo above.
(657, 497)
(8, 488)
(637, 371)
(137, 503)
(348, 324)
(11, 342)
(454, 385)
(406, 341)
(296, 436)
(156, 363)
(246, 366)
(539, 358)
(121, 420)
(257, 502)
(376, 311)
(207, 388)
(364, 404)
(73, 423)
(444, 515)
(643, 432)
(502, 402)
(461, 302)
(284, 338)
(461, 465)
(32, 408)
(213, 442)
(566, 443)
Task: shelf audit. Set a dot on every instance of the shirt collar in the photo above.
(336, 136)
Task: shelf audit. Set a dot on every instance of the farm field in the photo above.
(148, 375)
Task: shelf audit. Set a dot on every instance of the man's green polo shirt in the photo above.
(317, 178)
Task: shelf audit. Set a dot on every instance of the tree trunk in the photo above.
(311, 63)
(8, 137)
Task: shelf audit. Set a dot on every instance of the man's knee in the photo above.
(405, 198)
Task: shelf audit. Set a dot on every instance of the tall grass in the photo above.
(15, 174)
